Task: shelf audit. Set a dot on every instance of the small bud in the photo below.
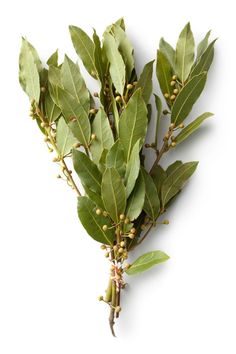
(100, 298)
(173, 144)
(172, 97)
(173, 138)
(129, 87)
(120, 250)
(98, 211)
(96, 94)
(165, 112)
(122, 244)
(43, 125)
(176, 91)
(107, 254)
(122, 216)
(105, 213)
(117, 309)
(132, 236)
(147, 219)
(127, 265)
(127, 220)
(93, 136)
(105, 227)
(172, 83)
(172, 126)
(133, 230)
(118, 98)
(115, 248)
(125, 255)
(103, 247)
(43, 89)
(166, 95)
(181, 126)
(76, 146)
(143, 227)
(174, 77)
(165, 222)
(55, 159)
(50, 149)
(147, 145)
(93, 111)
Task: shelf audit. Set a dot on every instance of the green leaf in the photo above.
(116, 158)
(54, 78)
(164, 73)
(84, 47)
(104, 137)
(113, 193)
(176, 180)
(147, 261)
(93, 223)
(133, 123)
(184, 56)
(168, 51)
(87, 171)
(96, 198)
(192, 127)
(51, 109)
(98, 57)
(202, 46)
(158, 175)
(73, 82)
(205, 60)
(29, 70)
(145, 81)
(136, 200)
(74, 112)
(53, 59)
(187, 97)
(152, 202)
(117, 66)
(171, 168)
(125, 48)
(132, 169)
(64, 138)
(159, 113)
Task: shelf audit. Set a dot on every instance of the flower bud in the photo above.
(96, 94)
(122, 244)
(107, 254)
(93, 136)
(120, 250)
(181, 126)
(100, 298)
(165, 222)
(93, 111)
(176, 91)
(127, 220)
(174, 77)
(105, 213)
(105, 227)
(172, 97)
(173, 144)
(118, 98)
(43, 89)
(133, 230)
(117, 309)
(165, 112)
(122, 216)
(98, 211)
(143, 226)
(172, 126)
(129, 87)
(115, 248)
(172, 83)
(131, 236)
(103, 247)
(166, 95)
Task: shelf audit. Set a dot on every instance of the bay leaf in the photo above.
(93, 223)
(117, 66)
(132, 169)
(151, 202)
(135, 201)
(168, 51)
(146, 261)
(192, 127)
(64, 138)
(113, 194)
(104, 137)
(84, 47)
(116, 158)
(176, 180)
(133, 123)
(164, 73)
(145, 81)
(202, 46)
(187, 97)
(205, 60)
(87, 171)
(184, 54)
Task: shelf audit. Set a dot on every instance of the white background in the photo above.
(51, 272)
